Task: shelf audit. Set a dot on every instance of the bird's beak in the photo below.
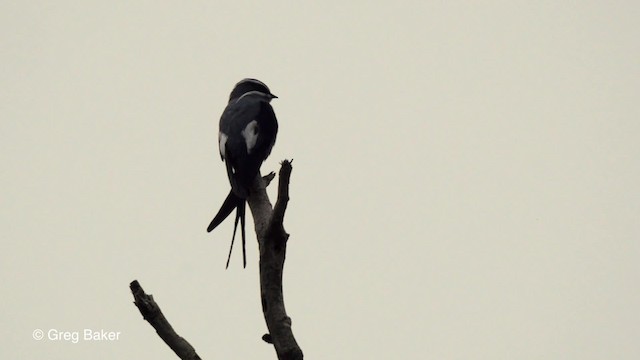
(273, 96)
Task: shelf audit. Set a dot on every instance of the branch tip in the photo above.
(151, 313)
(268, 178)
(267, 338)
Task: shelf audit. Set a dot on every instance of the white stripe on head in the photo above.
(248, 85)
(222, 142)
(255, 92)
(250, 135)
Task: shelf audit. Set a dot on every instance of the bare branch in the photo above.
(267, 178)
(283, 195)
(260, 204)
(272, 240)
(151, 312)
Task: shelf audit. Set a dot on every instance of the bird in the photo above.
(247, 133)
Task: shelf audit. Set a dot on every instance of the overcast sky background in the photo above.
(465, 181)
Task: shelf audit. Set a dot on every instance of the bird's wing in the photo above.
(267, 126)
(233, 145)
(233, 121)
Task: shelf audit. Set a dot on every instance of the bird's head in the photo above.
(251, 85)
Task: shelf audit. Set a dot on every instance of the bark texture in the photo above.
(151, 312)
(272, 242)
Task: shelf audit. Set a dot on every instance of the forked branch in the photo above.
(272, 243)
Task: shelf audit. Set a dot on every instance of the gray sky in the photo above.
(465, 182)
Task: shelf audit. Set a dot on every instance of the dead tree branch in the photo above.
(272, 241)
(151, 312)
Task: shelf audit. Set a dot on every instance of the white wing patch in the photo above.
(250, 135)
(222, 142)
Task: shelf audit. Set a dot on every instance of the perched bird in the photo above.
(248, 129)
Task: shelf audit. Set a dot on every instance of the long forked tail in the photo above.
(231, 202)
(240, 212)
